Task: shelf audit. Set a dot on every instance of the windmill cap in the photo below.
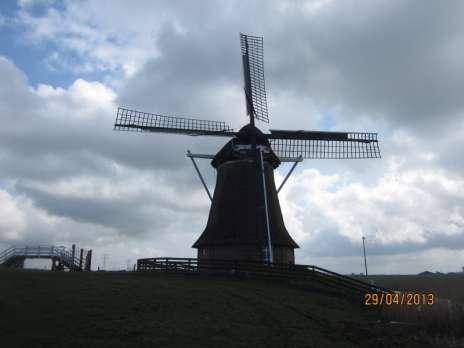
(246, 133)
(243, 139)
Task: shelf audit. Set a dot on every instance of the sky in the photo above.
(391, 67)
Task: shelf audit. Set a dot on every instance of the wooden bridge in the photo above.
(62, 257)
(283, 271)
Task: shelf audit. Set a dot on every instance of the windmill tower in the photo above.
(245, 220)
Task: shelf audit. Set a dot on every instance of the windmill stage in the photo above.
(245, 221)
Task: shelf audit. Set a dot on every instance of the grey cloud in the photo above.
(183, 79)
(396, 60)
(38, 146)
(133, 216)
(329, 243)
(389, 59)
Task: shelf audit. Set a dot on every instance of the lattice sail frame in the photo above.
(253, 65)
(137, 121)
(355, 146)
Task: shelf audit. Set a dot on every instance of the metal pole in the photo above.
(364, 249)
(269, 243)
(105, 256)
(289, 173)
(201, 155)
(199, 174)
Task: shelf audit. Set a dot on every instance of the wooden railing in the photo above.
(289, 271)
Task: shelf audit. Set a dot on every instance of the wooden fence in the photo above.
(241, 267)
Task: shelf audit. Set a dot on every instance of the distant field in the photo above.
(449, 286)
(98, 309)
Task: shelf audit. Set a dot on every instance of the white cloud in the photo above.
(402, 207)
(32, 3)
(83, 100)
(312, 7)
(101, 44)
(13, 220)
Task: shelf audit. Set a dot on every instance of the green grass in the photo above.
(57, 309)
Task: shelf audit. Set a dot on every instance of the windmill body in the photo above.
(245, 220)
(235, 229)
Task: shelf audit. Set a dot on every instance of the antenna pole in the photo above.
(270, 257)
(364, 249)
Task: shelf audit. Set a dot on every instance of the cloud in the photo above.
(34, 3)
(127, 201)
(69, 178)
(391, 67)
(13, 220)
(83, 40)
(333, 57)
(403, 212)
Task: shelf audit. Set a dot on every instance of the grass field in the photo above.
(98, 309)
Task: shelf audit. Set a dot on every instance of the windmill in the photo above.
(245, 220)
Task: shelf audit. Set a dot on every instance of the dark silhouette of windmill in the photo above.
(245, 220)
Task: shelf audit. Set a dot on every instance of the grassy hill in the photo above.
(98, 309)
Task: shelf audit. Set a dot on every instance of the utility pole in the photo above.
(105, 257)
(364, 249)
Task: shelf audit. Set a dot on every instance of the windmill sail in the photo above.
(253, 72)
(324, 145)
(137, 121)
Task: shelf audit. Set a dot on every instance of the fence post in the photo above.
(88, 260)
(73, 248)
(80, 259)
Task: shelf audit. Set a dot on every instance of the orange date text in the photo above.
(403, 298)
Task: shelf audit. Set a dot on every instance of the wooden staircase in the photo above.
(61, 257)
